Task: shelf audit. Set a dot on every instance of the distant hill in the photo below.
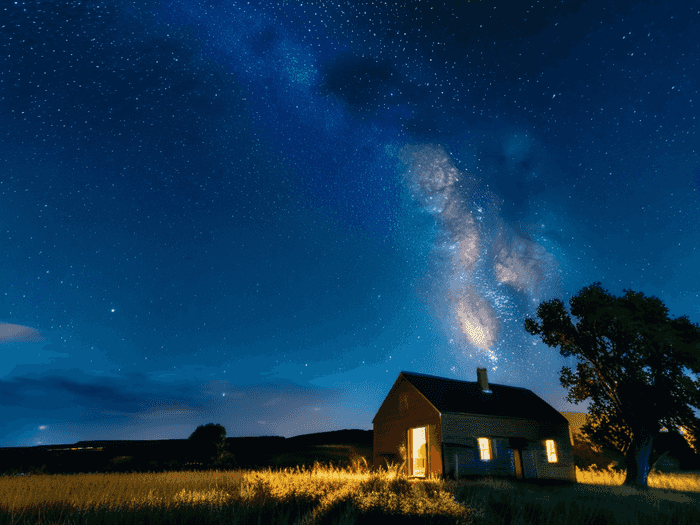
(335, 437)
(338, 447)
(318, 438)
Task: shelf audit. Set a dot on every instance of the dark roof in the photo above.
(454, 396)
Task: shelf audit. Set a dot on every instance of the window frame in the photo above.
(488, 449)
(411, 455)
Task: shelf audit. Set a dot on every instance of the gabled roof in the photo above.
(463, 397)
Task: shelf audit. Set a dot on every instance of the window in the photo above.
(551, 451)
(485, 448)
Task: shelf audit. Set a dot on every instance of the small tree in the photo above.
(632, 364)
(207, 443)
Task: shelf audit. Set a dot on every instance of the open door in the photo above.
(517, 445)
(418, 445)
(518, 460)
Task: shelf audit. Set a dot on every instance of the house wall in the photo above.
(460, 460)
(461, 452)
(403, 409)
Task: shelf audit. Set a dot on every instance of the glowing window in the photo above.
(484, 448)
(551, 451)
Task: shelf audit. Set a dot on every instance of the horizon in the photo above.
(229, 437)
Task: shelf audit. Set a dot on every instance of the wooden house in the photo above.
(449, 428)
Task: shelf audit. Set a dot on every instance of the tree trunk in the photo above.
(637, 457)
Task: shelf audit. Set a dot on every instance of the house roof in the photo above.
(454, 396)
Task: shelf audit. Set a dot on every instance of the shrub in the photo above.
(120, 464)
(400, 486)
(225, 461)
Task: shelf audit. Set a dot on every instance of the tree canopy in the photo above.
(633, 361)
(208, 442)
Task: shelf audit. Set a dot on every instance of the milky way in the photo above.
(484, 249)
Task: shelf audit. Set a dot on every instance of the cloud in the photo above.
(51, 392)
(16, 332)
(131, 405)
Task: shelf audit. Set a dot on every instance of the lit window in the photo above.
(551, 451)
(484, 449)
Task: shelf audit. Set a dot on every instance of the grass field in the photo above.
(326, 495)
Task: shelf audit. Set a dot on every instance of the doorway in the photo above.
(518, 445)
(518, 460)
(418, 443)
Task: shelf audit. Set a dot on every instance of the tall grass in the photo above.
(330, 495)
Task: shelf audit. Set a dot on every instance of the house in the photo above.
(449, 428)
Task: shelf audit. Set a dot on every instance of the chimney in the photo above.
(483, 380)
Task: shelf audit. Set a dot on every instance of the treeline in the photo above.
(188, 454)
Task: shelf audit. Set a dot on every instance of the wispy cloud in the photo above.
(131, 405)
(16, 332)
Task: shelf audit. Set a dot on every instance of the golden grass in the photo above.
(327, 495)
(300, 496)
(687, 482)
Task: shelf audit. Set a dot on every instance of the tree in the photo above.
(207, 443)
(632, 365)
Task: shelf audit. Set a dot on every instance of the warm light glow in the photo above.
(484, 449)
(420, 454)
(551, 451)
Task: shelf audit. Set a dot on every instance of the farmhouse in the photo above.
(452, 428)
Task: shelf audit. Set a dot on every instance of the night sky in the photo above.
(258, 213)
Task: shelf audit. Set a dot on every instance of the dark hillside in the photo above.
(338, 447)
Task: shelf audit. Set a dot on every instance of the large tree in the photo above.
(207, 443)
(633, 364)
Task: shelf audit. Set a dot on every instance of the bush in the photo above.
(120, 464)
(225, 461)
(173, 464)
(400, 486)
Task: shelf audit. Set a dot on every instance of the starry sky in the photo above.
(257, 213)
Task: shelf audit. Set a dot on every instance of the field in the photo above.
(327, 495)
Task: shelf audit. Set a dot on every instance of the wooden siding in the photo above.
(465, 461)
(458, 427)
(460, 460)
(562, 469)
(435, 454)
(405, 408)
(461, 452)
